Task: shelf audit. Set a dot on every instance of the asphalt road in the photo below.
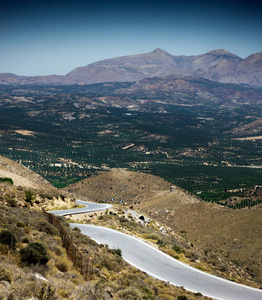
(159, 265)
(90, 207)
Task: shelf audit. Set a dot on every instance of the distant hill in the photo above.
(130, 187)
(217, 65)
(185, 90)
(251, 129)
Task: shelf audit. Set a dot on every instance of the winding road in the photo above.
(158, 264)
(89, 207)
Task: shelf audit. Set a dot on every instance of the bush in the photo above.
(122, 219)
(20, 224)
(29, 196)
(4, 249)
(177, 249)
(182, 297)
(34, 253)
(111, 263)
(160, 242)
(5, 275)
(7, 238)
(46, 292)
(118, 252)
(46, 227)
(25, 239)
(62, 265)
(153, 236)
(130, 293)
(11, 202)
(10, 180)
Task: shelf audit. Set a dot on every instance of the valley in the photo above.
(179, 157)
(69, 133)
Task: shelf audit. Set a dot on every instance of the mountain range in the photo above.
(217, 65)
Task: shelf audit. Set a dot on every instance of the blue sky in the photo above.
(54, 37)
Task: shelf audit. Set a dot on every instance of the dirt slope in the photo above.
(234, 235)
(43, 194)
(22, 176)
(130, 187)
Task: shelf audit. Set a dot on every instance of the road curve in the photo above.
(160, 265)
(90, 207)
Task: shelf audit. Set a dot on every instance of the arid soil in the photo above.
(233, 235)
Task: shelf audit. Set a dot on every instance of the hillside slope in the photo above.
(129, 187)
(234, 235)
(29, 189)
(23, 176)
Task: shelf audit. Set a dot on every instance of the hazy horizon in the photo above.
(54, 37)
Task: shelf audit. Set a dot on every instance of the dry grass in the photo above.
(112, 278)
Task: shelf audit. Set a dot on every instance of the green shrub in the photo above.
(46, 292)
(160, 242)
(153, 236)
(198, 294)
(4, 249)
(111, 263)
(5, 275)
(46, 227)
(118, 252)
(10, 180)
(20, 224)
(25, 239)
(122, 219)
(62, 264)
(58, 250)
(7, 238)
(34, 253)
(29, 196)
(182, 297)
(130, 293)
(177, 249)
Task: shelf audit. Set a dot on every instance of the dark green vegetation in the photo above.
(185, 137)
(7, 238)
(34, 253)
(6, 180)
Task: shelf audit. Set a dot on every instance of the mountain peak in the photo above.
(159, 51)
(220, 52)
(255, 56)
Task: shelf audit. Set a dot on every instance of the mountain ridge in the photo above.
(217, 65)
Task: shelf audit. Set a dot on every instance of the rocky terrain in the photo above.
(217, 65)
